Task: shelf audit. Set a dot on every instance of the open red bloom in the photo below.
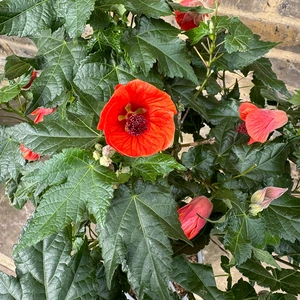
(193, 215)
(41, 112)
(191, 19)
(29, 154)
(261, 122)
(33, 76)
(138, 119)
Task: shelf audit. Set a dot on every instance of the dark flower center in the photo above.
(242, 128)
(136, 124)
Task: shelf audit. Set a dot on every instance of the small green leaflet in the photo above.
(295, 99)
(156, 40)
(138, 224)
(197, 278)
(151, 167)
(48, 271)
(76, 185)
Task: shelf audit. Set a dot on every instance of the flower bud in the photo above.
(261, 199)
(193, 216)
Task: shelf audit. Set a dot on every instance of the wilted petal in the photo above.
(40, 113)
(29, 154)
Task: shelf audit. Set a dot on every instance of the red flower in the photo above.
(29, 154)
(191, 19)
(138, 119)
(193, 215)
(41, 112)
(261, 122)
(33, 76)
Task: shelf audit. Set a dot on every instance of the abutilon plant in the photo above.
(138, 155)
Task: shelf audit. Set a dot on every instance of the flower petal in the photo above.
(158, 110)
(246, 108)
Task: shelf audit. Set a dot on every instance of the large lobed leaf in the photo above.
(285, 279)
(135, 235)
(283, 217)
(75, 185)
(11, 160)
(26, 17)
(62, 61)
(197, 278)
(54, 134)
(48, 271)
(156, 40)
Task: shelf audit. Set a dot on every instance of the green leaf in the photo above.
(226, 110)
(54, 134)
(283, 217)
(76, 13)
(154, 8)
(11, 160)
(200, 161)
(75, 185)
(63, 59)
(243, 290)
(295, 99)
(151, 167)
(47, 270)
(196, 34)
(285, 279)
(15, 67)
(238, 37)
(225, 137)
(262, 69)
(199, 9)
(8, 93)
(197, 278)
(10, 288)
(135, 234)
(156, 40)
(26, 17)
(290, 249)
(242, 232)
(255, 164)
(265, 257)
(239, 60)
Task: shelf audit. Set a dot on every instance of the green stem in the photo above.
(237, 176)
(286, 262)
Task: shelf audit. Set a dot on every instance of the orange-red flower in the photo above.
(29, 154)
(261, 122)
(193, 215)
(41, 112)
(138, 119)
(33, 76)
(191, 19)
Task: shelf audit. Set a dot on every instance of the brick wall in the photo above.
(276, 21)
